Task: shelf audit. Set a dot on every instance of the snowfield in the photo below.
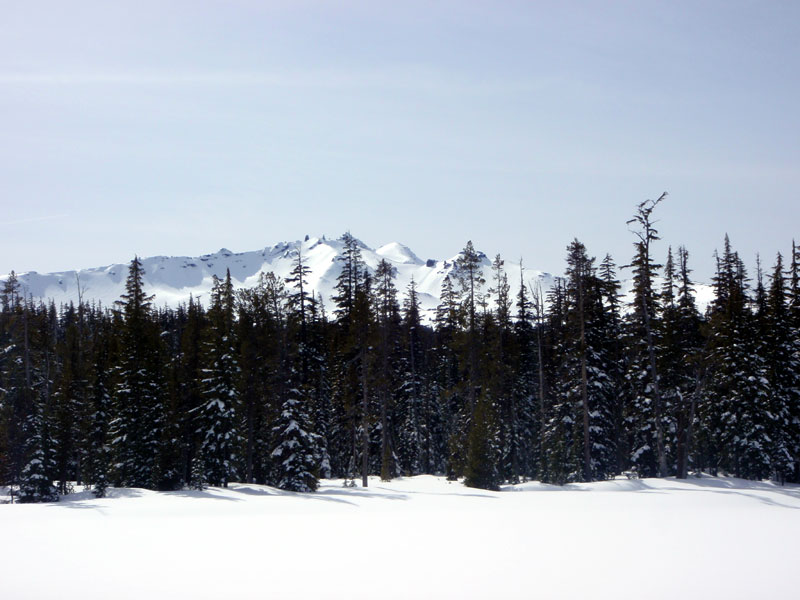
(420, 537)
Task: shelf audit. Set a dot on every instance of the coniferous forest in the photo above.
(268, 385)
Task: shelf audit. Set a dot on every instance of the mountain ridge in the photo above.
(174, 279)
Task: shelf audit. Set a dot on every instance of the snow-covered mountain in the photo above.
(173, 279)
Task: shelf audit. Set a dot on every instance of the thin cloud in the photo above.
(409, 77)
(31, 220)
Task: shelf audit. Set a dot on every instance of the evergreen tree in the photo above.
(296, 454)
(352, 360)
(16, 386)
(481, 470)
(387, 312)
(778, 343)
(524, 424)
(470, 277)
(682, 357)
(410, 442)
(735, 416)
(217, 417)
(561, 448)
(69, 403)
(138, 400)
(36, 480)
(645, 412)
(99, 461)
(580, 437)
(793, 300)
(351, 279)
(197, 478)
(612, 334)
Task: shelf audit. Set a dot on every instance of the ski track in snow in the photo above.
(420, 537)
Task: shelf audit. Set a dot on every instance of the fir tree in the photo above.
(645, 412)
(217, 416)
(735, 416)
(36, 480)
(387, 311)
(524, 422)
(99, 450)
(138, 399)
(783, 366)
(683, 347)
(470, 278)
(296, 454)
(481, 470)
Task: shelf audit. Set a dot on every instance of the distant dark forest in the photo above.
(264, 386)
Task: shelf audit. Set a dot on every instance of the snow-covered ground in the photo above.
(420, 537)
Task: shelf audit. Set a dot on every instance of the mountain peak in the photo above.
(174, 279)
(397, 252)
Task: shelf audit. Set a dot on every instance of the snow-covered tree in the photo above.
(217, 417)
(36, 480)
(296, 455)
(138, 395)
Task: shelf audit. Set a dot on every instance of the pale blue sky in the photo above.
(135, 127)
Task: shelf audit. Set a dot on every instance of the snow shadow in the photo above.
(755, 490)
(340, 494)
(266, 491)
(86, 499)
(609, 486)
(201, 495)
(760, 491)
(458, 494)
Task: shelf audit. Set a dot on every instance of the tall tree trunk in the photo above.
(683, 456)
(364, 420)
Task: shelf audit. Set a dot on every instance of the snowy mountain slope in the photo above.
(174, 279)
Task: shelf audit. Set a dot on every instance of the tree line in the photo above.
(264, 386)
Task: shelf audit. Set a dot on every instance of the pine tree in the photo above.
(735, 416)
(138, 395)
(793, 299)
(524, 425)
(299, 304)
(16, 386)
(387, 312)
(36, 480)
(682, 353)
(580, 435)
(783, 366)
(611, 333)
(69, 403)
(197, 478)
(261, 330)
(645, 412)
(470, 277)
(99, 455)
(353, 360)
(409, 412)
(351, 279)
(296, 454)
(561, 456)
(217, 417)
(481, 465)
